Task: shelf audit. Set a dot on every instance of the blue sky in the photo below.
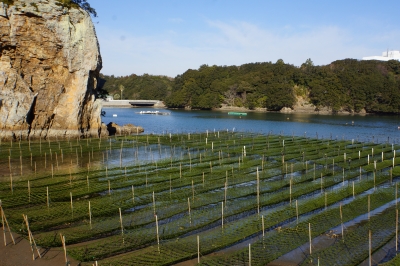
(167, 37)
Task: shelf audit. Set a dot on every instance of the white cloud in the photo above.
(228, 43)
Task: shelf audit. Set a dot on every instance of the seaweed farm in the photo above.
(210, 198)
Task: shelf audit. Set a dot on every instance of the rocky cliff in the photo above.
(49, 65)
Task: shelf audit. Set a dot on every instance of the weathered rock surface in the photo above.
(49, 65)
(128, 129)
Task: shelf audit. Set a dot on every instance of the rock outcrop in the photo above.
(128, 129)
(49, 65)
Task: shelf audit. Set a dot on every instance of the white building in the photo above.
(386, 56)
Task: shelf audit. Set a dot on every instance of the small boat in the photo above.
(114, 115)
(236, 113)
(153, 113)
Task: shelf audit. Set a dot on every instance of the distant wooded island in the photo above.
(347, 85)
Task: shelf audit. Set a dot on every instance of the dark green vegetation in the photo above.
(79, 3)
(135, 87)
(348, 85)
(66, 3)
(184, 180)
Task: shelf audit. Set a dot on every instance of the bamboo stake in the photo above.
(369, 207)
(341, 221)
(225, 192)
(158, 237)
(11, 184)
(122, 225)
(262, 223)
(222, 214)
(29, 191)
(4, 222)
(249, 254)
(198, 249)
(192, 191)
(290, 191)
(90, 216)
(326, 200)
(397, 229)
(258, 192)
(154, 204)
(343, 176)
(20, 162)
(47, 197)
(353, 191)
(297, 212)
(133, 195)
(309, 236)
(72, 206)
(370, 248)
(31, 239)
(65, 248)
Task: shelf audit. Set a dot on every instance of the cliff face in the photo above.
(49, 65)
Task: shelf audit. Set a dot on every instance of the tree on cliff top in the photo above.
(80, 3)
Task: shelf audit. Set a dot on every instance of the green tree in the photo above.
(121, 88)
(79, 3)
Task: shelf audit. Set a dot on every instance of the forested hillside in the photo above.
(349, 85)
(133, 87)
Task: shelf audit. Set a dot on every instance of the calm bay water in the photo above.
(364, 128)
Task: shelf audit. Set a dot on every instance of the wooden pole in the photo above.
(297, 212)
